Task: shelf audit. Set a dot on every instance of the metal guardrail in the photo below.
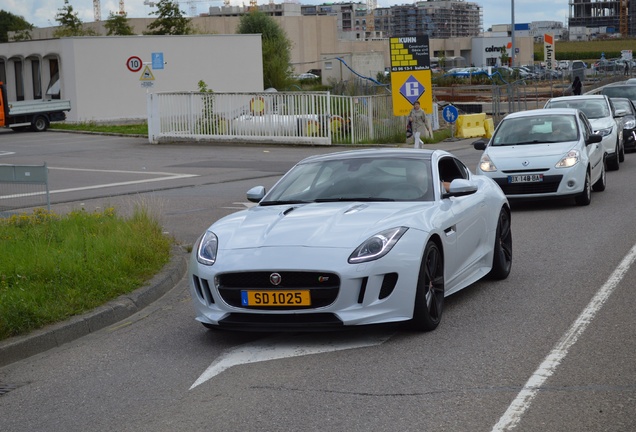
(23, 186)
(315, 118)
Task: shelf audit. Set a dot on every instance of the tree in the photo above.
(117, 25)
(10, 22)
(277, 69)
(505, 58)
(70, 24)
(170, 20)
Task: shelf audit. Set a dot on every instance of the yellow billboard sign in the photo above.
(410, 74)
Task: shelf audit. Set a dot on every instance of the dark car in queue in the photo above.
(629, 122)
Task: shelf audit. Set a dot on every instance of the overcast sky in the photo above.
(42, 13)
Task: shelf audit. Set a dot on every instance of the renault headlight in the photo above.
(486, 165)
(569, 160)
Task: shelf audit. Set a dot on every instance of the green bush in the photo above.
(54, 267)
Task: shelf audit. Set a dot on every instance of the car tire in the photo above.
(429, 295)
(585, 197)
(621, 154)
(601, 183)
(502, 256)
(612, 161)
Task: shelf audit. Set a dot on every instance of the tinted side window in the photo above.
(451, 168)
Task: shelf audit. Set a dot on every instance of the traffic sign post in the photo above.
(450, 114)
(134, 64)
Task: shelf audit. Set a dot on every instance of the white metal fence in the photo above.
(316, 118)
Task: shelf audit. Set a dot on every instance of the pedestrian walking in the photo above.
(421, 125)
(577, 86)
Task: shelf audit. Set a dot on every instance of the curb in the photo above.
(21, 347)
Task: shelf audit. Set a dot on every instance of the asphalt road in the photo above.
(551, 348)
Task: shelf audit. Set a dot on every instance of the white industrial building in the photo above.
(107, 78)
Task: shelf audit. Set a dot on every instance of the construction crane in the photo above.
(371, 6)
(191, 4)
(623, 19)
(97, 10)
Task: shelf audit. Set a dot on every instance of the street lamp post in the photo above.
(512, 32)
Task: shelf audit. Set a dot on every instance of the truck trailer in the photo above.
(36, 114)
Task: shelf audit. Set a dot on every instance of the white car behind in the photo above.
(605, 121)
(544, 153)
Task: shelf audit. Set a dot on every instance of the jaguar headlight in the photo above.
(377, 246)
(207, 249)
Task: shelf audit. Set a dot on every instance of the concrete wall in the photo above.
(366, 64)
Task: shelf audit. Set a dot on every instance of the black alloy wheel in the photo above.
(429, 298)
(502, 257)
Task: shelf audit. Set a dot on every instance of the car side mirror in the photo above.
(256, 194)
(480, 144)
(593, 138)
(620, 113)
(460, 187)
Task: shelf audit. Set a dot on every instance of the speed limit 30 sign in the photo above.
(134, 64)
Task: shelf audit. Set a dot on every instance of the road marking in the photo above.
(166, 176)
(244, 205)
(285, 346)
(6, 153)
(520, 405)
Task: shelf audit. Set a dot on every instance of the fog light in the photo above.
(571, 183)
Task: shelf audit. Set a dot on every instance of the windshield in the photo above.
(628, 91)
(622, 104)
(355, 179)
(536, 130)
(593, 109)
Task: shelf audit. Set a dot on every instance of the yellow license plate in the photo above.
(276, 298)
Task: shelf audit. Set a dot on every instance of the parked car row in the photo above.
(561, 150)
(535, 72)
(613, 65)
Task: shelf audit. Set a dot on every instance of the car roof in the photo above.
(578, 97)
(543, 111)
(370, 153)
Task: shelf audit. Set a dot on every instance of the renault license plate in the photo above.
(525, 178)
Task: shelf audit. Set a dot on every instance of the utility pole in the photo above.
(512, 31)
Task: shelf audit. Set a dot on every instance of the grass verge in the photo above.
(127, 129)
(54, 267)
